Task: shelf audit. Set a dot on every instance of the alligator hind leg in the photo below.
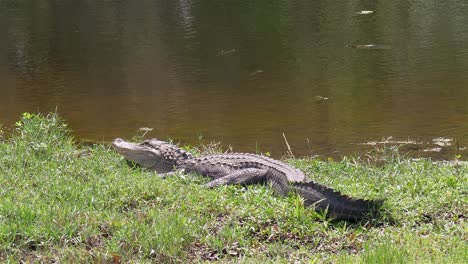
(278, 182)
(245, 177)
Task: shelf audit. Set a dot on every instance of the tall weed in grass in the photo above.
(60, 201)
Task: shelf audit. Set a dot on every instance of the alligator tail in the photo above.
(337, 205)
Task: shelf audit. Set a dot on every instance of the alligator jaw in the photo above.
(139, 153)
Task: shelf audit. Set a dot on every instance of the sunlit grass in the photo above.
(64, 202)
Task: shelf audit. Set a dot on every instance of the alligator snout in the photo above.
(118, 144)
(117, 141)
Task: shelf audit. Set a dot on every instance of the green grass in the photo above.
(60, 201)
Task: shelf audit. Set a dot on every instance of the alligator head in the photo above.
(143, 154)
(158, 155)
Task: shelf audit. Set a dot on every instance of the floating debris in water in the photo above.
(364, 12)
(443, 142)
(320, 98)
(389, 140)
(369, 46)
(255, 72)
(226, 52)
(438, 149)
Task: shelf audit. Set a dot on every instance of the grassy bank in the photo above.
(69, 203)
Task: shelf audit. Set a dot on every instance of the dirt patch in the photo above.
(219, 222)
(319, 242)
(201, 251)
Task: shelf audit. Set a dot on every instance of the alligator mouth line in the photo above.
(138, 153)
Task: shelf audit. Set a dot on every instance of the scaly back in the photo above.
(247, 160)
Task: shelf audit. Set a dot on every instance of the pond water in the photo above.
(330, 75)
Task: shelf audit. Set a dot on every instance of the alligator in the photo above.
(243, 168)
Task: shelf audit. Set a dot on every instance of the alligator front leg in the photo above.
(170, 173)
(278, 182)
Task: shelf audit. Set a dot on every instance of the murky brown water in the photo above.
(241, 72)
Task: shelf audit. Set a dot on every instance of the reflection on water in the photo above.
(241, 72)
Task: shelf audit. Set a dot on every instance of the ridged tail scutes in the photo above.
(337, 205)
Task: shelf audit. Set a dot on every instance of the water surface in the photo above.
(241, 72)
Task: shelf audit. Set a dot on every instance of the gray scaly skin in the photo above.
(245, 169)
